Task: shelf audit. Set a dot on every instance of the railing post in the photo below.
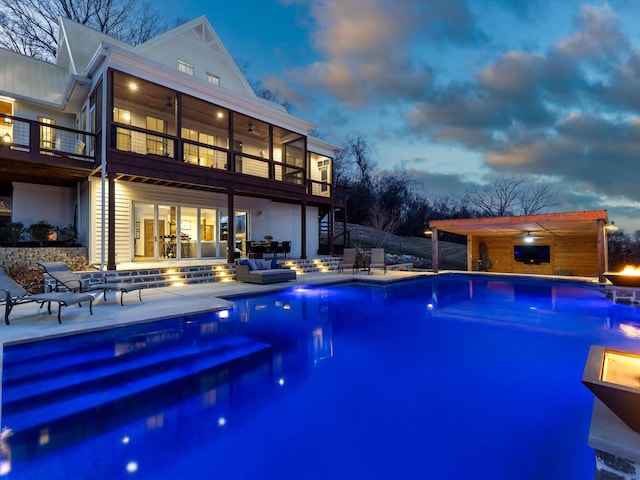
(34, 137)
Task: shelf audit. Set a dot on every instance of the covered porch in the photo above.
(571, 243)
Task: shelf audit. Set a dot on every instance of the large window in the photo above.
(156, 145)
(47, 134)
(6, 124)
(123, 135)
(197, 154)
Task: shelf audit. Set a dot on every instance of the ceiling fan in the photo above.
(252, 130)
(528, 238)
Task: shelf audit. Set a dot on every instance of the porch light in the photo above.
(6, 139)
(528, 238)
(611, 226)
(612, 376)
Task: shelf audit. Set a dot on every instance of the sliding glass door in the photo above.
(168, 232)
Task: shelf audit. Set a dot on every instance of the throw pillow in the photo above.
(253, 265)
(265, 265)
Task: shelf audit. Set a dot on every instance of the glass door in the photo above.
(144, 232)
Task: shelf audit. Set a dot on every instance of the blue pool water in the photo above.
(449, 377)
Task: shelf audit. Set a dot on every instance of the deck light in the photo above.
(612, 376)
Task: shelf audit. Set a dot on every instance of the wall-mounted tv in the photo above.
(533, 254)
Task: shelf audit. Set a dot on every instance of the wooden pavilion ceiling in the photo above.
(556, 224)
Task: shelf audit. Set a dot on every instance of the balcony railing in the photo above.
(133, 139)
(31, 136)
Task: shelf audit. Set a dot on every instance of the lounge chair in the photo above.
(73, 282)
(12, 294)
(378, 259)
(349, 260)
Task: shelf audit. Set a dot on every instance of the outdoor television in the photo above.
(533, 254)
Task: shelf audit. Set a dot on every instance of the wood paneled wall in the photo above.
(578, 254)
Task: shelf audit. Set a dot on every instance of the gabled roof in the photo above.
(78, 43)
(197, 44)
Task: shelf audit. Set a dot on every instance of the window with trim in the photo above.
(185, 67)
(156, 145)
(47, 134)
(123, 135)
(196, 154)
(213, 79)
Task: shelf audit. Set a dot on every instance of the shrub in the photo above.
(40, 231)
(68, 234)
(11, 233)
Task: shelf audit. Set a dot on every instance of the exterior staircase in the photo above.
(161, 276)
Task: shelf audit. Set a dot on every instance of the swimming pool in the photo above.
(447, 377)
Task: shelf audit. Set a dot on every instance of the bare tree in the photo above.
(30, 27)
(359, 151)
(512, 196)
(385, 221)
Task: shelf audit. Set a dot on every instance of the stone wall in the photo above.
(10, 256)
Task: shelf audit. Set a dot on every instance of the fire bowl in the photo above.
(622, 280)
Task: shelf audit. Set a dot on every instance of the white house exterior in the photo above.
(159, 151)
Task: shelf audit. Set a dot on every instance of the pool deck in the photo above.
(30, 322)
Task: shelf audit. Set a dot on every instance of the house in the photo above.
(158, 151)
(570, 243)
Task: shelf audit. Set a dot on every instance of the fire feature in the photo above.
(628, 277)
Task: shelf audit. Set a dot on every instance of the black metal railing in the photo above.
(32, 136)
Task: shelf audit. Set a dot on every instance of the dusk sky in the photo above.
(456, 92)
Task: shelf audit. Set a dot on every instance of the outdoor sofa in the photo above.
(262, 272)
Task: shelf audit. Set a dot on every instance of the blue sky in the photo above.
(456, 92)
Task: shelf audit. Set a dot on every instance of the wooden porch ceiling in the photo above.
(553, 224)
(60, 172)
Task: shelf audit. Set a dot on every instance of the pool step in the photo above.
(91, 377)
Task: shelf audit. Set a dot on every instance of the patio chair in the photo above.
(348, 259)
(378, 259)
(12, 294)
(72, 281)
(286, 247)
(274, 248)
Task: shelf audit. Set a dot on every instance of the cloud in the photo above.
(368, 49)
(570, 113)
(599, 35)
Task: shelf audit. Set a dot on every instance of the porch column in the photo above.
(231, 226)
(330, 230)
(111, 239)
(602, 251)
(434, 250)
(303, 232)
